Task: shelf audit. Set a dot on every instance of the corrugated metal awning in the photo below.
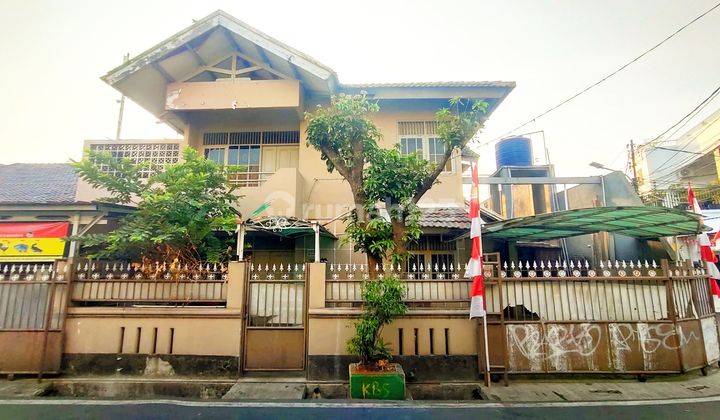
(642, 222)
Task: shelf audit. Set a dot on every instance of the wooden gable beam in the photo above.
(263, 66)
(162, 72)
(204, 68)
(195, 55)
(263, 63)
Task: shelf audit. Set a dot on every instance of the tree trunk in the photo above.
(373, 264)
(398, 235)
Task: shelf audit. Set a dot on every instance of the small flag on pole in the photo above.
(706, 253)
(474, 269)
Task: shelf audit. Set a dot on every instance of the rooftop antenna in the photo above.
(126, 58)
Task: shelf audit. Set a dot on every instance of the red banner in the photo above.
(34, 229)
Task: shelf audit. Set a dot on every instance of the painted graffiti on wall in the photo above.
(559, 344)
(650, 339)
(590, 347)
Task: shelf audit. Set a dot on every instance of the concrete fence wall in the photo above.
(669, 329)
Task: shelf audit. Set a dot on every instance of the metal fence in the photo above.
(117, 283)
(33, 303)
(28, 294)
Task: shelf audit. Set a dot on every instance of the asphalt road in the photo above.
(705, 408)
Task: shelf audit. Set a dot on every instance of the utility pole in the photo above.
(633, 163)
(126, 58)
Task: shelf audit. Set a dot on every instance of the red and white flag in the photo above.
(706, 253)
(474, 268)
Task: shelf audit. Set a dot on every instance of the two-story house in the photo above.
(239, 96)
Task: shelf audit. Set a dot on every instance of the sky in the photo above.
(54, 53)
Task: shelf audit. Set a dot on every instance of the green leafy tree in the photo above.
(348, 141)
(382, 303)
(180, 210)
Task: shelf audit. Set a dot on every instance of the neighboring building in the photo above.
(38, 210)
(693, 157)
(239, 96)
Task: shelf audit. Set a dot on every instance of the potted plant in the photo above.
(374, 377)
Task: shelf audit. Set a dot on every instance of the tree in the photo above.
(180, 209)
(348, 142)
(382, 303)
(347, 139)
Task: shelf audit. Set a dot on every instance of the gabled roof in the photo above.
(211, 47)
(37, 183)
(241, 33)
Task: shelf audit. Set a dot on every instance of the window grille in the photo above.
(245, 137)
(409, 128)
(251, 138)
(214, 139)
(281, 137)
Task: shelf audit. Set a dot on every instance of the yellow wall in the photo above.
(197, 331)
(328, 335)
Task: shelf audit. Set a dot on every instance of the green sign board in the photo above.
(386, 385)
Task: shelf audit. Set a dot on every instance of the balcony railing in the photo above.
(248, 179)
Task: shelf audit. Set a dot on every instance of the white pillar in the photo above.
(316, 229)
(74, 231)
(241, 241)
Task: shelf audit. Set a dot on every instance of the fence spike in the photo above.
(632, 264)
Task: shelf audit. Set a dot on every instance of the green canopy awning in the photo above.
(642, 222)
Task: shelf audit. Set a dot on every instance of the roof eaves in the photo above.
(410, 85)
(220, 18)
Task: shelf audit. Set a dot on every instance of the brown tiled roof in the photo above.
(445, 217)
(452, 217)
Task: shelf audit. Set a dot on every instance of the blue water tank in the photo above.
(513, 151)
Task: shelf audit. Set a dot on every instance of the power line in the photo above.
(621, 68)
(687, 117)
(690, 158)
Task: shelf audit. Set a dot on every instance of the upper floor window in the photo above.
(253, 156)
(421, 138)
(215, 154)
(411, 145)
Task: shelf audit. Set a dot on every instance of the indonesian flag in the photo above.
(706, 253)
(474, 268)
